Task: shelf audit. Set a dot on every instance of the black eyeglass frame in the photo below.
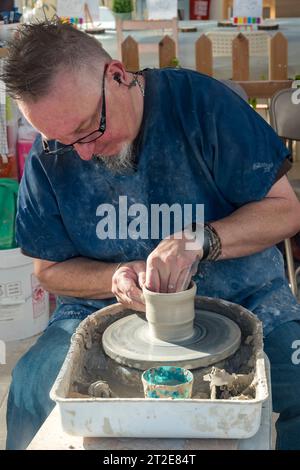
(101, 129)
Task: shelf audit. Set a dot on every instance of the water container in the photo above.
(24, 304)
(26, 137)
(24, 147)
(8, 163)
(8, 209)
(8, 166)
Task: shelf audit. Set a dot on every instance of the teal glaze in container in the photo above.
(167, 382)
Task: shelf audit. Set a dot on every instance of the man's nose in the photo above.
(85, 151)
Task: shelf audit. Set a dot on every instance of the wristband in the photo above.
(212, 246)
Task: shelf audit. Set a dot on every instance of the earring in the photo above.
(117, 77)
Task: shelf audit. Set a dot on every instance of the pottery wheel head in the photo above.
(215, 338)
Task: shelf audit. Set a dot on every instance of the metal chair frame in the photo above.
(285, 118)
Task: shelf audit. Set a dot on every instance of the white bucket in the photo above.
(24, 304)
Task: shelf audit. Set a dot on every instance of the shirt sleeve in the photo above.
(245, 155)
(284, 169)
(40, 231)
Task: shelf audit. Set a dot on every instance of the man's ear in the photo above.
(117, 72)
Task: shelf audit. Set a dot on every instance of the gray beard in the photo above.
(119, 163)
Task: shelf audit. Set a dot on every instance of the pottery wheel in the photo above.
(215, 338)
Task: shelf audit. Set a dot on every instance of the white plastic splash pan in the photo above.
(139, 417)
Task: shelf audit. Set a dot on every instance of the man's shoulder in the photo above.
(36, 151)
(179, 73)
(37, 164)
(37, 146)
(38, 160)
(186, 83)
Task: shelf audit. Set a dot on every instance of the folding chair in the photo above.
(285, 119)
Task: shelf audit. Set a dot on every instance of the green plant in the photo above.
(297, 79)
(253, 102)
(122, 6)
(175, 63)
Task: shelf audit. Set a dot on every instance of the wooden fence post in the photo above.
(130, 54)
(3, 52)
(240, 58)
(278, 57)
(167, 51)
(204, 55)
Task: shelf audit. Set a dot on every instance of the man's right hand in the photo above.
(127, 283)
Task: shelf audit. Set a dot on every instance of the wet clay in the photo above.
(170, 317)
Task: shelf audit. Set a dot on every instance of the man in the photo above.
(159, 137)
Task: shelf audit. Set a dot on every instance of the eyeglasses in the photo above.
(91, 137)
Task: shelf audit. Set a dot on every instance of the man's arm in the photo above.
(77, 277)
(91, 279)
(259, 225)
(250, 229)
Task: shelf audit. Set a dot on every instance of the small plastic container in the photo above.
(8, 167)
(167, 382)
(8, 162)
(26, 137)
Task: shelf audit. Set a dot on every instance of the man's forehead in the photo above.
(62, 110)
(53, 121)
(73, 82)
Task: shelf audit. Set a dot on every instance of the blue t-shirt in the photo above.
(199, 143)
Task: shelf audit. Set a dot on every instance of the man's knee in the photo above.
(285, 371)
(36, 371)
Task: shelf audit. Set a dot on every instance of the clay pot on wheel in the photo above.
(171, 316)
